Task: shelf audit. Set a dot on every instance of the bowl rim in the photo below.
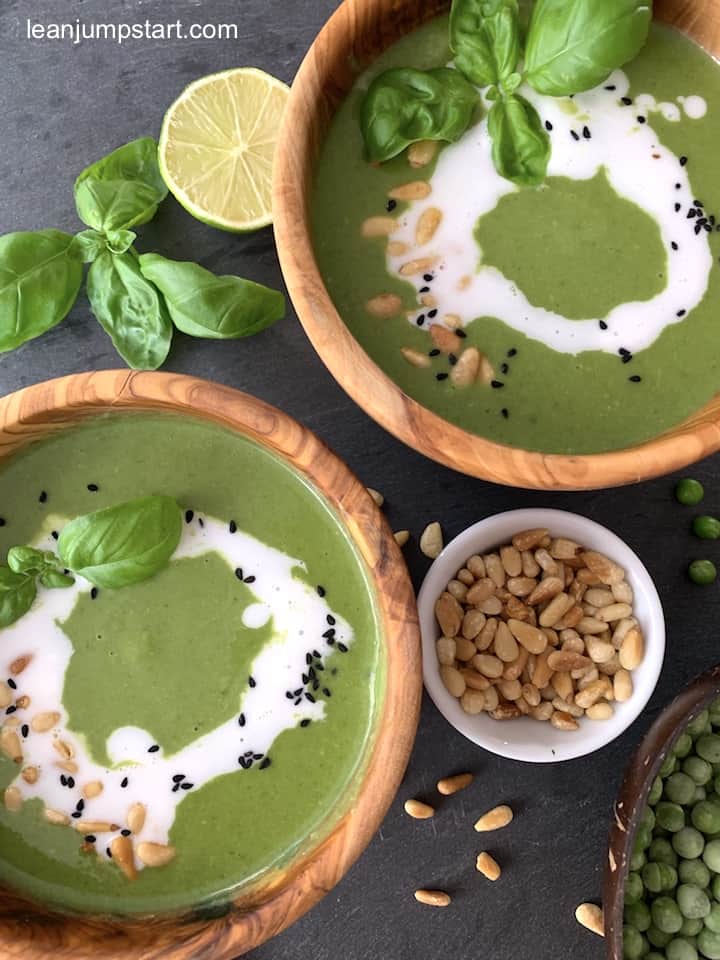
(486, 535)
(33, 930)
(641, 770)
(323, 78)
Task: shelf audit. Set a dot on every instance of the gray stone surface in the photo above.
(62, 106)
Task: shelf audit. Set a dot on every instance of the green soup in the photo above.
(575, 248)
(176, 661)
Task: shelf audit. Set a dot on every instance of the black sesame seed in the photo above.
(316, 684)
(342, 648)
(296, 693)
(76, 814)
(505, 413)
(635, 379)
(258, 756)
(265, 764)
(330, 641)
(603, 325)
(586, 133)
(305, 722)
(626, 100)
(461, 334)
(289, 694)
(390, 205)
(624, 352)
(611, 86)
(12, 684)
(250, 579)
(627, 358)
(187, 785)
(711, 220)
(703, 220)
(432, 314)
(574, 135)
(504, 368)
(441, 376)
(189, 514)
(496, 384)
(25, 730)
(548, 126)
(124, 782)
(424, 289)
(308, 658)
(420, 320)
(176, 788)
(326, 691)
(512, 352)
(63, 780)
(3, 521)
(698, 203)
(681, 313)
(126, 833)
(678, 207)
(93, 487)
(309, 697)
(683, 161)
(245, 764)
(428, 277)
(692, 212)
(94, 593)
(434, 352)
(108, 851)
(317, 656)
(642, 119)
(232, 527)
(330, 619)
(305, 678)
(321, 591)
(201, 521)
(43, 496)
(239, 573)
(674, 246)
(678, 186)
(252, 682)
(707, 228)
(698, 228)
(154, 748)
(178, 777)
(71, 784)
(452, 359)
(11, 709)
(90, 838)
(54, 534)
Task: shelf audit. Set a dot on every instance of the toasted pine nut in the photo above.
(6, 695)
(528, 539)
(467, 368)
(55, 817)
(397, 249)
(488, 866)
(19, 664)
(415, 190)
(413, 267)
(562, 720)
(42, 722)
(433, 898)
(632, 650)
(449, 614)
(473, 622)
(506, 647)
(419, 810)
(494, 819)
(533, 639)
(123, 854)
(512, 560)
(614, 612)
(384, 305)
(376, 495)
(474, 680)
(622, 686)
(13, 799)
(136, 817)
(622, 592)
(378, 226)
(92, 789)
(422, 152)
(473, 702)
(488, 665)
(30, 774)
(427, 224)
(401, 537)
(453, 680)
(604, 568)
(155, 854)
(431, 541)
(451, 785)
(590, 916)
(95, 826)
(445, 650)
(10, 744)
(600, 711)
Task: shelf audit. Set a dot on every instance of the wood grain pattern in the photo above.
(28, 931)
(639, 775)
(353, 37)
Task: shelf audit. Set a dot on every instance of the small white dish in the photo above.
(524, 738)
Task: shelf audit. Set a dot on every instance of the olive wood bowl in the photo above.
(352, 38)
(30, 931)
(632, 799)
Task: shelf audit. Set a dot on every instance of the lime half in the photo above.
(217, 146)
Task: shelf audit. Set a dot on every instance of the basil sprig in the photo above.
(572, 45)
(111, 548)
(405, 105)
(41, 273)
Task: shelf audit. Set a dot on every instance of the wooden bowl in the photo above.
(353, 37)
(639, 775)
(29, 931)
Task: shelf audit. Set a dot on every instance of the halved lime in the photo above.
(217, 145)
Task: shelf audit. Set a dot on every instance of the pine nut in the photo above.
(449, 614)
(494, 819)
(614, 612)
(92, 789)
(511, 560)
(533, 639)
(521, 586)
(632, 650)
(433, 898)
(622, 592)
(604, 568)
(19, 664)
(506, 647)
(590, 916)
(123, 854)
(530, 566)
(451, 785)
(155, 854)
(378, 227)
(543, 711)
(622, 686)
(30, 774)
(599, 597)
(13, 799)
(528, 539)
(55, 817)
(42, 722)
(6, 695)
(473, 702)
(65, 749)
(473, 622)
(474, 680)
(481, 591)
(547, 589)
(600, 651)
(427, 224)
(422, 152)
(562, 685)
(467, 368)
(445, 340)
(487, 866)
(562, 720)
(563, 549)
(495, 569)
(453, 680)
(10, 744)
(591, 694)
(487, 371)
(555, 610)
(431, 541)
(564, 706)
(510, 689)
(416, 190)
(465, 650)
(445, 650)
(419, 810)
(376, 495)
(397, 249)
(514, 670)
(464, 576)
(531, 694)
(476, 566)
(136, 817)
(488, 665)
(95, 826)
(384, 305)
(492, 606)
(487, 634)
(492, 701)
(23, 702)
(413, 267)
(600, 711)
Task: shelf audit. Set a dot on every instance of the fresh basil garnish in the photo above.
(520, 145)
(573, 45)
(26, 560)
(123, 189)
(485, 38)
(121, 545)
(40, 278)
(404, 105)
(129, 309)
(53, 579)
(17, 592)
(89, 244)
(203, 305)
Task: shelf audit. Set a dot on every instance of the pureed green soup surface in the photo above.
(594, 296)
(233, 694)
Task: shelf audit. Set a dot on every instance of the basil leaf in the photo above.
(17, 593)
(124, 544)
(89, 244)
(520, 145)
(203, 305)
(123, 189)
(485, 38)
(120, 241)
(573, 45)
(53, 579)
(40, 278)
(404, 105)
(130, 310)
(26, 560)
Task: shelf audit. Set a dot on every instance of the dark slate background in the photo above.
(63, 106)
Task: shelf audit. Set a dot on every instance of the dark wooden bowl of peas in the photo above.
(662, 879)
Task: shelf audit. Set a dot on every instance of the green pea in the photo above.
(655, 791)
(700, 794)
(699, 725)
(652, 877)
(668, 876)
(638, 916)
(698, 770)
(716, 784)
(708, 747)
(680, 788)
(643, 838)
(647, 819)
(689, 492)
(683, 745)
(707, 528)
(691, 928)
(670, 816)
(709, 944)
(688, 843)
(661, 851)
(669, 765)
(694, 871)
(692, 901)
(637, 862)
(712, 920)
(702, 572)
(711, 855)
(714, 710)
(653, 955)
(666, 915)
(634, 888)
(705, 816)
(658, 938)
(680, 950)
(715, 887)
(633, 943)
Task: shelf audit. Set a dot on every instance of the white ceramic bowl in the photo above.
(524, 738)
